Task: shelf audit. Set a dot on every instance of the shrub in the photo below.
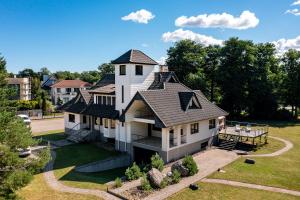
(133, 172)
(164, 183)
(145, 184)
(175, 176)
(157, 162)
(118, 182)
(190, 164)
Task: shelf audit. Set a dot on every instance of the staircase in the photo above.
(78, 136)
(229, 144)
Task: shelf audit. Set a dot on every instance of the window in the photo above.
(58, 90)
(96, 121)
(113, 124)
(122, 70)
(71, 118)
(113, 100)
(84, 119)
(65, 99)
(139, 70)
(68, 90)
(104, 100)
(106, 123)
(76, 89)
(99, 99)
(194, 128)
(101, 121)
(122, 93)
(212, 123)
(108, 100)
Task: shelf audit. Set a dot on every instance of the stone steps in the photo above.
(78, 136)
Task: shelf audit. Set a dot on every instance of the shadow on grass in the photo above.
(52, 136)
(68, 157)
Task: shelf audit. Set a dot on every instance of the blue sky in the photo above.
(79, 35)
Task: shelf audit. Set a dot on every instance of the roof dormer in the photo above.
(189, 100)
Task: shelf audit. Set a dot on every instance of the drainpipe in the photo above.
(125, 127)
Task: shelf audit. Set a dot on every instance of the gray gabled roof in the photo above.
(166, 104)
(134, 56)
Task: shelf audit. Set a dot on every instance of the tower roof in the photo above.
(134, 56)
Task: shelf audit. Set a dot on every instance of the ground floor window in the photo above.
(194, 128)
(212, 123)
(106, 123)
(113, 124)
(72, 118)
(97, 120)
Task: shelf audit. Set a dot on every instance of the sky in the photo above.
(79, 35)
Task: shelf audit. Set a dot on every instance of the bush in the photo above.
(157, 162)
(164, 183)
(133, 172)
(175, 176)
(283, 114)
(145, 184)
(118, 182)
(190, 164)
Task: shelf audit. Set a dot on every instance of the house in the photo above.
(65, 90)
(48, 81)
(22, 86)
(143, 109)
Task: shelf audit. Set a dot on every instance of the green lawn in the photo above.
(78, 154)
(211, 191)
(281, 171)
(272, 146)
(51, 135)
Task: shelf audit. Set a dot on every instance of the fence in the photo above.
(38, 114)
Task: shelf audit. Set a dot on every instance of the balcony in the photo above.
(151, 143)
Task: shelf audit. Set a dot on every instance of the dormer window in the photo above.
(194, 104)
(139, 70)
(122, 70)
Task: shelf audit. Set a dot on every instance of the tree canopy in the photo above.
(244, 78)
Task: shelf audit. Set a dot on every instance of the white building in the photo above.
(65, 90)
(143, 110)
(22, 87)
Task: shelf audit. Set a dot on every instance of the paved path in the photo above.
(253, 186)
(56, 185)
(208, 162)
(288, 146)
(44, 125)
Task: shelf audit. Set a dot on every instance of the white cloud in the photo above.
(181, 34)
(284, 45)
(296, 3)
(162, 60)
(145, 45)
(294, 12)
(246, 20)
(140, 16)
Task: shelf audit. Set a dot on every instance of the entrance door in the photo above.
(142, 156)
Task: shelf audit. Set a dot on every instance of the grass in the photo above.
(38, 189)
(272, 146)
(211, 191)
(51, 135)
(281, 171)
(74, 155)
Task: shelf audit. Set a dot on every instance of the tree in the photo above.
(44, 71)
(106, 68)
(15, 172)
(211, 66)
(90, 76)
(27, 72)
(66, 75)
(185, 57)
(291, 64)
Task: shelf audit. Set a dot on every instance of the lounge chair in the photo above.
(248, 128)
(237, 128)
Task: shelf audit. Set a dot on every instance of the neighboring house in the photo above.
(22, 86)
(48, 81)
(144, 109)
(65, 90)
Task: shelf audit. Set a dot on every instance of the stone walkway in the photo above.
(288, 146)
(56, 185)
(252, 186)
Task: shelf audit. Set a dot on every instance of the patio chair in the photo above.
(237, 128)
(248, 128)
